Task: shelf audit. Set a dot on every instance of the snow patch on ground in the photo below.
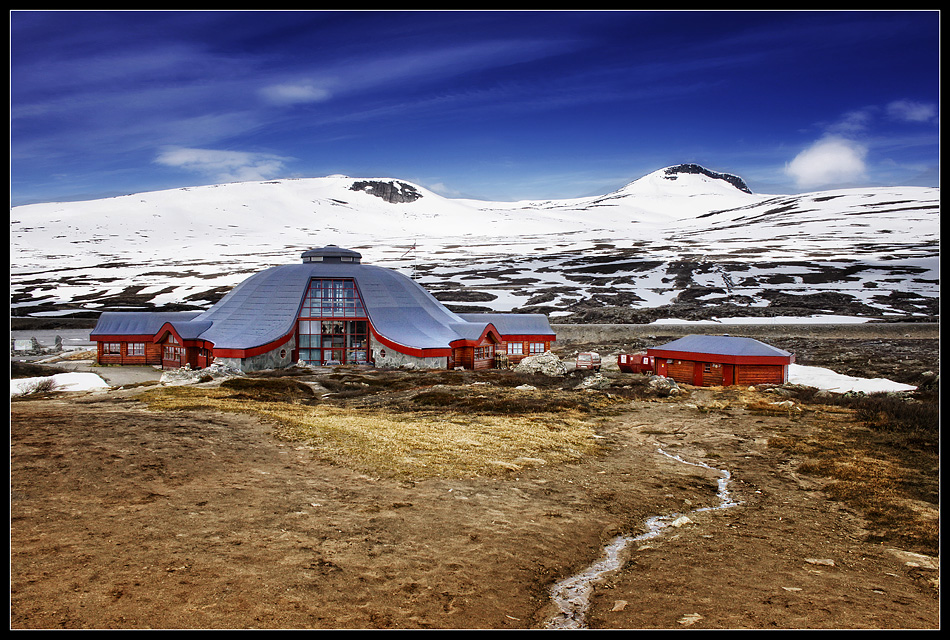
(826, 379)
(61, 382)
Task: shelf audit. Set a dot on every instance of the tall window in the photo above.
(332, 326)
(332, 299)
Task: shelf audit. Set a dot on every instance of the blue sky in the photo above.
(491, 105)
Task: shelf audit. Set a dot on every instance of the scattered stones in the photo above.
(187, 375)
(596, 381)
(823, 561)
(916, 560)
(788, 405)
(689, 618)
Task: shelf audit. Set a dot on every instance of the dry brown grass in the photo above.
(406, 444)
(889, 474)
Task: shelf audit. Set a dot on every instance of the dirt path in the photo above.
(124, 518)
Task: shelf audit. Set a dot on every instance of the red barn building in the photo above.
(707, 361)
(329, 309)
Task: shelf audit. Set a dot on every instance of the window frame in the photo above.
(334, 307)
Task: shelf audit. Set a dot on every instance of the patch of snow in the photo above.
(826, 379)
(77, 381)
(815, 319)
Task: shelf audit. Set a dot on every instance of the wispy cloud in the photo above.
(294, 93)
(222, 165)
(910, 111)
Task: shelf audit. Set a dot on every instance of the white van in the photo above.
(588, 360)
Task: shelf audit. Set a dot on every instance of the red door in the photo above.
(698, 374)
(728, 375)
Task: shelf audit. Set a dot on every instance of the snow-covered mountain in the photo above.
(682, 241)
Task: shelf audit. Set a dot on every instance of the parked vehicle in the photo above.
(635, 363)
(588, 360)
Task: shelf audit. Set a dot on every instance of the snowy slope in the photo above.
(682, 236)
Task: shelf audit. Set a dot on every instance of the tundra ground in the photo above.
(129, 511)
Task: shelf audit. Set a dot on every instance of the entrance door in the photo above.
(728, 375)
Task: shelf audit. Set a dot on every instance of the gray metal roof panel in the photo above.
(264, 307)
(191, 329)
(517, 324)
(133, 323)
(723, 345)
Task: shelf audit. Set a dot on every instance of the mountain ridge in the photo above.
(696, 245)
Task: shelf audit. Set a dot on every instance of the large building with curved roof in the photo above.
(330, 308)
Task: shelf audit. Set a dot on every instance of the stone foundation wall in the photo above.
(275, 359)
(385, 356)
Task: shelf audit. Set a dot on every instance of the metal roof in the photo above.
(264, 308)
(723, 345)
(139, 323)
(331, 253)
(513, 324)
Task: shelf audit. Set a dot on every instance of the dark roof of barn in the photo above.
(723, 345)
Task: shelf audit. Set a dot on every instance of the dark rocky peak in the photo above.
(736, 181)
(391, 191)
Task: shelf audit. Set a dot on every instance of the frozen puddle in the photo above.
(572, 595)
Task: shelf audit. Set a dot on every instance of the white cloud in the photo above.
(294, 93)
(224, 166)
(909, 111)
(831, 160)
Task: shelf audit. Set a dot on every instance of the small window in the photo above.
(136, 349)
(112, 348)
(515, 348)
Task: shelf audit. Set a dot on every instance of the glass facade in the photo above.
(332, 327)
